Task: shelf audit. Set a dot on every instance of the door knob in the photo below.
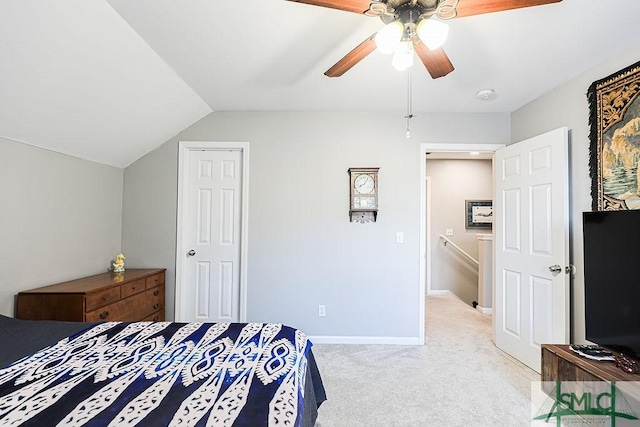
(191, 252)
(555, 269)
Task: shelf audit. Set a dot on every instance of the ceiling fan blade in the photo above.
(352, 58)
(477, 7)
(356, 6)
(436, 61)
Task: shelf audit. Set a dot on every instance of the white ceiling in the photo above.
(110, 80)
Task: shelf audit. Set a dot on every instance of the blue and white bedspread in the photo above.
(159, 374)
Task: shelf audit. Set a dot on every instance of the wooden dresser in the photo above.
(135, 295)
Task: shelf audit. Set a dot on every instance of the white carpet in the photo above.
(459, 378)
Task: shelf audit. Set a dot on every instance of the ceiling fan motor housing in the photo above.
(405, 13)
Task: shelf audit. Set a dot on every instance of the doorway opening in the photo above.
(441, 151)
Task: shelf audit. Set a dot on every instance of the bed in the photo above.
(156, 374)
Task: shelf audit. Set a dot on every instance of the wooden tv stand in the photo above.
(559, 363)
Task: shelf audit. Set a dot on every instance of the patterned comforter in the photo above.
(159, 374)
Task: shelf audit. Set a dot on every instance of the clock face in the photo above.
(364, 184)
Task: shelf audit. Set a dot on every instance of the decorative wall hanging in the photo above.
(363, 194)
(479, 213)
(614, 152)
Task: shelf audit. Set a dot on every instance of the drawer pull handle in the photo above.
(105, 298)
(156, 306)
(156, 293)
(155, 318)
(133, 287)
(104, 315)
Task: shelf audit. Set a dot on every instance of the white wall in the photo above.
(568, 106)
(453, 182)
(303, 251)
(149, 215)
(60, 219)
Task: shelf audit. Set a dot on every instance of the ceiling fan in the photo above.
(413, 26)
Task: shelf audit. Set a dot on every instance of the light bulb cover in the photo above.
(389, 36)
(486, 94)
(403, 56)
(432, 32)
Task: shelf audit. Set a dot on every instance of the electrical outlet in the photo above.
(399, 237)
(322, 311)
(449, 232)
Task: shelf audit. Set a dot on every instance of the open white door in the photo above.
(531, 217)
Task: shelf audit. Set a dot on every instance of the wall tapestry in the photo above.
(614, 152)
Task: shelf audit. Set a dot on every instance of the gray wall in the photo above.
(303, 251)
(60, 218)
(567, 106)
(453, 182)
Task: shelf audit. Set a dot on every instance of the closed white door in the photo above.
(532, 246)
(211, 237)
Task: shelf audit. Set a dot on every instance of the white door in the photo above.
(532, 246)
(210, 249)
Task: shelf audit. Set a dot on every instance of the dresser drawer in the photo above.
(102, 298)
(155, 280)
(155, 298)
(130, 309)
(155, 317)
(133, 288)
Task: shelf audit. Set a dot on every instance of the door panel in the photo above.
(542, 302)
(210, 291)
(541, 239)
(532, 234)
(203, 286)
(511, 220)
(511, 292)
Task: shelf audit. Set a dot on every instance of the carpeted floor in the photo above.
(459, 378)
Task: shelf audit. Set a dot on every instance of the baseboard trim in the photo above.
(439, 292)
(484, 310)
(323, 339)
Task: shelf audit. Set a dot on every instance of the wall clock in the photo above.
(363, 194)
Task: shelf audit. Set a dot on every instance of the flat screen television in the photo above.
(612, 279)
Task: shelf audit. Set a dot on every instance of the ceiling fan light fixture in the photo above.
(403, 56)
(389, 36)
(432, 32)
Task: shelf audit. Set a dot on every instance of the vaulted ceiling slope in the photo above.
(110, 80)
(77, 79)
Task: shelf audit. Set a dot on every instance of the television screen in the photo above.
(612, 279)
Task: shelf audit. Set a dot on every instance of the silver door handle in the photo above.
(555, 269)
(191, 253)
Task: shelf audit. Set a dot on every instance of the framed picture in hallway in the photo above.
(479, 213)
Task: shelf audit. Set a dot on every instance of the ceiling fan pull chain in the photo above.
(409, 115)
